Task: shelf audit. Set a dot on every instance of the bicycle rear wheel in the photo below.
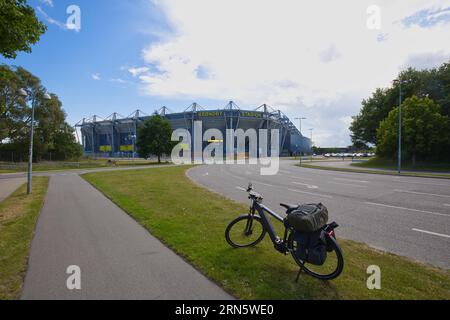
(332, 267)
(245, 231)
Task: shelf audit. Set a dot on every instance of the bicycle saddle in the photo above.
(289, 207)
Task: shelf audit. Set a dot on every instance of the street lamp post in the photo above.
(300, 129)
(46, 96)
(399, 155)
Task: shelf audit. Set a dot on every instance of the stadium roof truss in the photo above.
(115, 124)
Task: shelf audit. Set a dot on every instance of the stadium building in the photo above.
(115, 136)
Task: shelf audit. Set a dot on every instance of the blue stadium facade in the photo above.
(115, 136)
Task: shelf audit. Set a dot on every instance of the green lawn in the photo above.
(379, 163)
(18, 215)
(192, 221)
(381, 171)
(61, 165)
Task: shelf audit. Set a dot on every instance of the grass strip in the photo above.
(66, 166)
(380, 163)
(18, 215)
(391, 173)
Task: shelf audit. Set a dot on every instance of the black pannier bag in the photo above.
(311, 247)
(308, 217)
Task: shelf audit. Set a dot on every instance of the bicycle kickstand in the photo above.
(298, 274)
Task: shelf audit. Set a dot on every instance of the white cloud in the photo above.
(50, 20)
(314, 58)
(138, 71)
(47, 2)
(117, 80)
(96, 76)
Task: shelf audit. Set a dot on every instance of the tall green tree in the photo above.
(424, 131)
(154, 138)
(434, 83)
(52, 133)
(19, 27)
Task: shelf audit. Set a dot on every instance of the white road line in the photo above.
(240, 188)
(236, 177)
(408, 209)
(309, 186)
(300, 178)
(348, 184)
(432, 233)
(423, 193)
(424, 183)
(446, 204)
(311, 193)
(266, 184)
(351, 180)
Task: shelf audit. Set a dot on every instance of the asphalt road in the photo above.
(117, 257)
(404, 215)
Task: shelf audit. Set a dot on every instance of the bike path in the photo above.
(117, 257)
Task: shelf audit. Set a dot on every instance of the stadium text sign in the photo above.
(244, 114)
(235, 154)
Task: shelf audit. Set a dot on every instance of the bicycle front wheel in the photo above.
(331, 269)
(245, 231)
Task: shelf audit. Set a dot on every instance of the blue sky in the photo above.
(315, 59)
(112, 36)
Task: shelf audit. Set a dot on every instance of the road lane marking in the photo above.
(348, 184)
(408, 209)
(432, 233)
(236, 177)
(424, 183)
(422, 193)
(351, 180)
(309, 186)
(446, 204)
(301, 178)
(311, 193)
(266, 184)
(240, 188)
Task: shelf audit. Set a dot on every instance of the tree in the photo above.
(19, 27)
(52, 133)
(154, 138)
(424, 131)
(434, 83)
(64, 144)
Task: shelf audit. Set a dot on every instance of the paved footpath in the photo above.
(118, 258)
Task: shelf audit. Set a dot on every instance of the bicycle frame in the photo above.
(280, 244)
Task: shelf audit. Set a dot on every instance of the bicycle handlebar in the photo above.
(253, 194)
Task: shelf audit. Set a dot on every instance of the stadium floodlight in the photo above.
(399, 152)
(300, 120)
